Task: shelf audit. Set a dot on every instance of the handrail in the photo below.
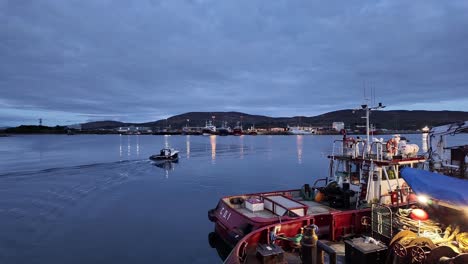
(319, 180)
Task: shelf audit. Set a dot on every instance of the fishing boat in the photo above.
(252, 131)
(166, 154)
(238, 131)
(434, 230)
(209, 129)
(362, 172)
(224, 130)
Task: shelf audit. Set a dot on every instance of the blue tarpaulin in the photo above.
(437, 186)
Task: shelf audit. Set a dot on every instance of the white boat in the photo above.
(300, 130)
(166, 154)
(209, 129)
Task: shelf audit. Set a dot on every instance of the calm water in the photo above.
(98, 199)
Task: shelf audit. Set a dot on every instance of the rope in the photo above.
(428, 227)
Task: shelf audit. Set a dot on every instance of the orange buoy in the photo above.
(419, 214)
(319, 196)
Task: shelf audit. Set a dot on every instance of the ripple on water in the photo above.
(33, 203)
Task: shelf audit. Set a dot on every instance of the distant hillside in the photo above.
(396, 119)
(103, 124)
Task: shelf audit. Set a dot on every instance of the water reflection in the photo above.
(129, 146)
(213, 148)
(217, 243)
(187, 145)
(166, 165)
(299, 140)
(241, 146)
(120, 147)
(138, 145)
(166, 141)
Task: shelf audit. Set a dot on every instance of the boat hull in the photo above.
(232, 226)
(164, 158)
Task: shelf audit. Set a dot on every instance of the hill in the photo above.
(395, 119)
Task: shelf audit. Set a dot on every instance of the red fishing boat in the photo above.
(430, 231)
(361, 172)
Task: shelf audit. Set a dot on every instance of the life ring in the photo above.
(392, 146)
(404, 189)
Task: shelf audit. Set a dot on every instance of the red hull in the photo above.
(232, 225)
(332, 227)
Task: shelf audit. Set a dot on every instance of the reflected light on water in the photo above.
(166, 141)
(120, 146)
(299, 140)
(128, 146)
(213, 148)
(187, 145)
(138, 146)
(241, 146)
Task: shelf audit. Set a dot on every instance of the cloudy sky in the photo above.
(76, 61)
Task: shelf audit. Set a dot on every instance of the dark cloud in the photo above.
(143, 60)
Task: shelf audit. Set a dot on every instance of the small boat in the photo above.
(166, 154)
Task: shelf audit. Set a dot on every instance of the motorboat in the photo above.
(166, 154)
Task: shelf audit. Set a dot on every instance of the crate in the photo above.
(357, 251)
(270, 254)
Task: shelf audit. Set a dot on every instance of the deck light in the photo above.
(423, 199)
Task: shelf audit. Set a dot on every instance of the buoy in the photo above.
(319, 196)
(419, 214)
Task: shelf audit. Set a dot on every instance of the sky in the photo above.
(73, 61)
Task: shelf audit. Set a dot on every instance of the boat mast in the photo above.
(368, 108)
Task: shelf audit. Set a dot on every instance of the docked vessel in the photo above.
(209, 129)
(237, 131)
(166, 154)
(362, 172)
(300, 130)
(224, 130)
(432, 231)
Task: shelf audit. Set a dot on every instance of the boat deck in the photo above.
(294, 257)
(314, 208)
(262, 213)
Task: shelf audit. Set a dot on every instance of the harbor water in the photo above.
(99, 199)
